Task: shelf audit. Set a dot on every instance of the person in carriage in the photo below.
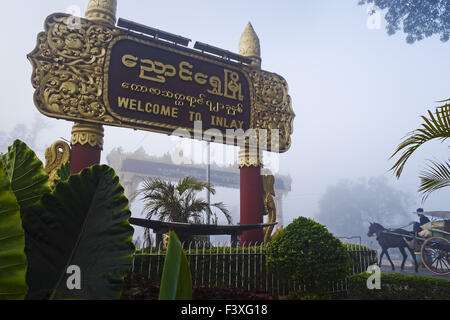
(422, 220)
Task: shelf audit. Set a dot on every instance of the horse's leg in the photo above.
(416, 265)
(389, 258)
(403, 252)
(381, 256)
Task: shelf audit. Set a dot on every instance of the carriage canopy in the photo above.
(438, 214)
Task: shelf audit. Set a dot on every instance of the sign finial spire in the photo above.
(249, 45)
(103, 11)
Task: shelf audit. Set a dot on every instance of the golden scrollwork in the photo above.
(268, 182)
(68, 69)
(273, 109)
(85, 133)
(55, 156)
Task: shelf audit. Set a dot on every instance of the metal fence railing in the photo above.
(221, 265)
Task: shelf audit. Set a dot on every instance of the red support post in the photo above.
(87, 145)
(252, 205)
(251, 189)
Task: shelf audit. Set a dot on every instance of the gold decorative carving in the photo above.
(276, 233)
(69, 77)
(103, 11)
(55, 156)
(273, 109)
(249, 157)
(268, 182)
(84, 133)
(68, 69)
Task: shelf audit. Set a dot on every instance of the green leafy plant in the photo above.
(13, 262)
(83, 222)
(306, 252)
(178, 203)
(176, 283)
(64, 172)
(26, 174)
(435, 127)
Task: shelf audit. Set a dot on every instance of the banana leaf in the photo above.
(176, 281)
(25, 173)
(13, 261)
(83, 222)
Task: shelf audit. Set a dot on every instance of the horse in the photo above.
(388, 240)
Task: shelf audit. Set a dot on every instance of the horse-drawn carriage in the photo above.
(432, 245)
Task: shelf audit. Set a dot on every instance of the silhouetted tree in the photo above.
(24, 132)
(347, 207)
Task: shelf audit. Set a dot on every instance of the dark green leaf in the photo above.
(83, 222)
(13, 262)
(64, 172)
(26, 174)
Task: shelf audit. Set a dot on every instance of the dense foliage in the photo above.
(418, 18)
(397, 286)
(306, 252)
(44, 233)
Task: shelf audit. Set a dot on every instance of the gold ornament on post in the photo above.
(85, 133)
(270, 210)
(249, 45)
(249, 157)
(55, 156)
(98, 11)
(102, 11)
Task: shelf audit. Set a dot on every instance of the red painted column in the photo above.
(87, 145)
(252, 203)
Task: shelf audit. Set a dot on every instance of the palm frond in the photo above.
(436, 177)
(436, 126)
(177, 203)
(221, 206)
(193, 185)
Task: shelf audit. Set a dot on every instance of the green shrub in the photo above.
(306, 252)
(397, 286)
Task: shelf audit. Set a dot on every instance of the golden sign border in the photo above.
(68, 77)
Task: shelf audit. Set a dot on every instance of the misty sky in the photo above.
(356, 91)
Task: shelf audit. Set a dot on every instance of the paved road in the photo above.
(410, 271)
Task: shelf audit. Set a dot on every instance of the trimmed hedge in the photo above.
(306, 252)
(397, 286)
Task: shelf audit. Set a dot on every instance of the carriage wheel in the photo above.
(436, 255)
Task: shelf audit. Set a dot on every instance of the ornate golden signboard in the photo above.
(106, 75)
